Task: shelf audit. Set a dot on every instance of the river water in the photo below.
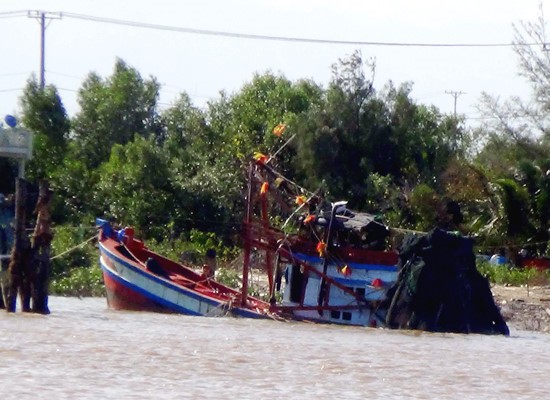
(85, 351)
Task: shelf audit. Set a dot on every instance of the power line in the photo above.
(63, 74)
(67, 89)
(114, 21)
(15, 73)
(13, 14)
(160, 27)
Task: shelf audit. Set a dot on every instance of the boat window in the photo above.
(335, 314)
(360, 291)
(346, 316)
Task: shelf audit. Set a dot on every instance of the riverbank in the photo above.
(525, 307)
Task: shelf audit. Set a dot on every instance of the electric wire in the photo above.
(240, 35)
(237, 35)
(13, 14)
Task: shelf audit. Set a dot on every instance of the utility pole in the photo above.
(457, 134)
(455, 95)
(41, 16)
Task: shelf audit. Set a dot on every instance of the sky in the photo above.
(203, 65)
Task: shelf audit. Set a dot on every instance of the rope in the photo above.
(281, 148)
(284, 178)
(222, 310)
(402, 230)
(74, 248)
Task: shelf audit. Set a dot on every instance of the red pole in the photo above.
(247, 239)
(268, 255)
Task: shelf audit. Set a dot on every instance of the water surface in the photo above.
(85, 351)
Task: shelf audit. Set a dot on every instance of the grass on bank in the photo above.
(507, 274)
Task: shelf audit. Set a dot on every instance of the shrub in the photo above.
(80, 281)
(507, 274)
(75, 272)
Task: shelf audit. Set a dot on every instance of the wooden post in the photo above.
(42, 239)
(17, 259)
(3, 265)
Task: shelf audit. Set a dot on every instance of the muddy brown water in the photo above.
(85, 351)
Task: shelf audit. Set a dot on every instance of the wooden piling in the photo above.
(20, 247)
(41, 246)
(30, 266)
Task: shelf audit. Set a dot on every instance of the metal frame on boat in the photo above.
(336, 267)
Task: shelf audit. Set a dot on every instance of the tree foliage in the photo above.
(45, 116)
(112, 111)
(355, 132)
(134, 186)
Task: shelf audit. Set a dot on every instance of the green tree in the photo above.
(262, 104)
(209, 149)
(134, 187)
(112, 111)
(182, 123)
(356, 132)
(330, 145)
(202, 169)
(74, 185)
(425, 140)
(44, 115)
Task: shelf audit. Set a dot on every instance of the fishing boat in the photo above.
(138, 279)
(332, 266)
(323, 263)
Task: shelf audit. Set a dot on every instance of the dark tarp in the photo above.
(439, 288)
